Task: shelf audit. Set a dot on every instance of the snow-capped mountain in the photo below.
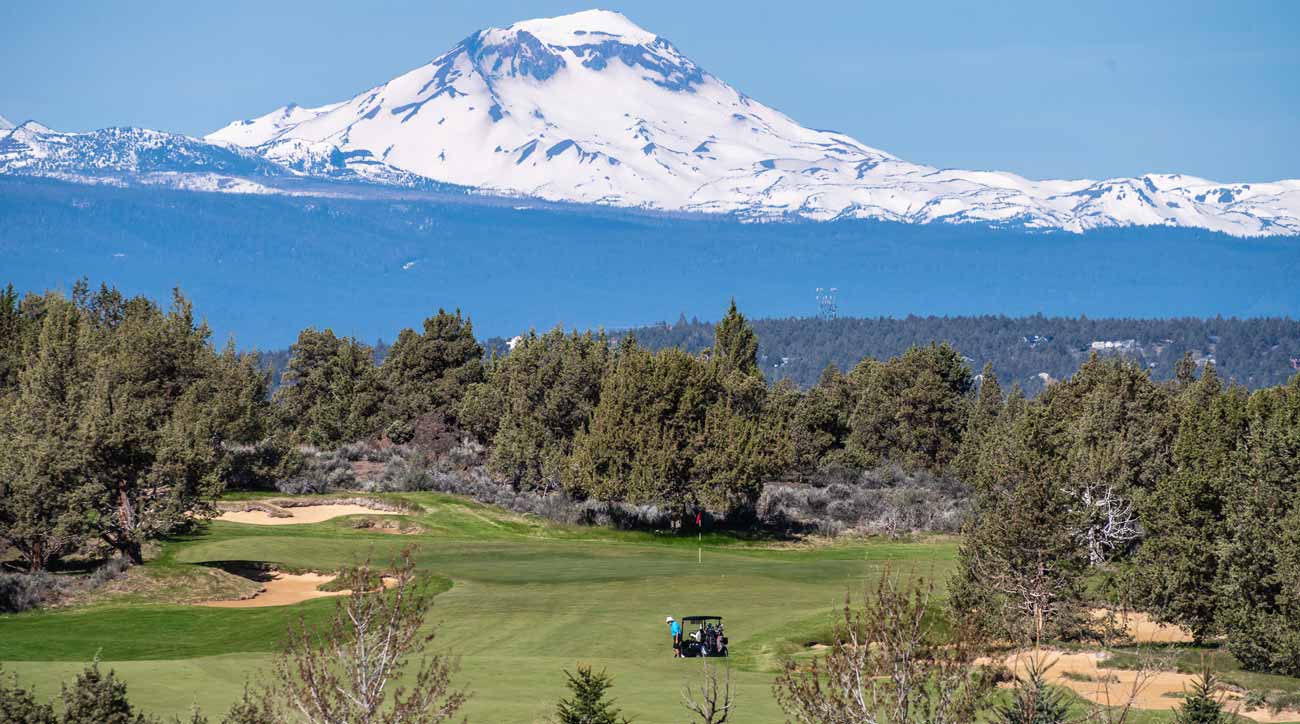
(5, 124)
(591, 108)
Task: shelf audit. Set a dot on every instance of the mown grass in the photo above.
(525, 600)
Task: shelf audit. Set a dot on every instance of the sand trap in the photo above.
(299, 514)
(1142, 630)
(283, 589)
(1161, 690)
(286, 589)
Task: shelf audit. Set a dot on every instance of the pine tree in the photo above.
(1201, 703)
(1035, 701)
(587, 703)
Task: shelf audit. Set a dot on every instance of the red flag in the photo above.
(697, 520)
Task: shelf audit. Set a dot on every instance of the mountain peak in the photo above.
(584, 28)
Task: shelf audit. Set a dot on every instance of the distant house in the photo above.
(1114, 345)
(1033, 340)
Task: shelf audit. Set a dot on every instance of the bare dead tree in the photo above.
(888, 664)
(715, 700)
(1109, 521)
(345, 672)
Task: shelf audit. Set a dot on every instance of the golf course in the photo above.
(524, 601)
(520, 601)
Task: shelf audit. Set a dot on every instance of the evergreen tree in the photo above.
(1201, 703)
(980, 424)
(98, 698)
(428, 372)
(43, 490)
(330, 390)
(150, 449)
(911, 409)
(1259, 577)
(250, 710)
(587, 703)
(1021, 566)
(19, 706)
(1035, 701)
(735, 346)
(14, 332)
(535, 401)
(1176, 568)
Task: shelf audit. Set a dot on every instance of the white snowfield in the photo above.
(591, 108)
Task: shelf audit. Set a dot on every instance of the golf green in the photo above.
(527, 600)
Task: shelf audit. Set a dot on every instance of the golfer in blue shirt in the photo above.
(675, 629)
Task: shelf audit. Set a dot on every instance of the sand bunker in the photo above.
(1142, 630)
(283, 589)
(1080, 673)
(299, 515)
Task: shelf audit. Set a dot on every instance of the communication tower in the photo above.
(826, 306)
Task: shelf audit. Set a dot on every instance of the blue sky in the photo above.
(1044, 89)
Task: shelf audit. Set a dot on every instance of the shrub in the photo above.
(24, 591)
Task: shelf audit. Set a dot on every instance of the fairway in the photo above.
(524, 600)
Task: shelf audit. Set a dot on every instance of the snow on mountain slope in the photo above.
(5, 124)
(591, 108)
(33, 149)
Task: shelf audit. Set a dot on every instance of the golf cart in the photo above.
(703, 636)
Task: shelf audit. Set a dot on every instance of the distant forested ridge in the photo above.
(1254, 352)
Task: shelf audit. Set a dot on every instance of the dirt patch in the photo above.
(296, 515)
(368, 469)
(1081, 673)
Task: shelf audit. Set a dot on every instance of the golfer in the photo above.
(675, 629)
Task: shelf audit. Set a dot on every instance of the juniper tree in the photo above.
(534, 402)
(43, 488)
(428, 371)
(330, 391)
(18, 705)
(1176, 567)
(911, 409)
(152, 445)
(99, 698)
(1259, 576)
